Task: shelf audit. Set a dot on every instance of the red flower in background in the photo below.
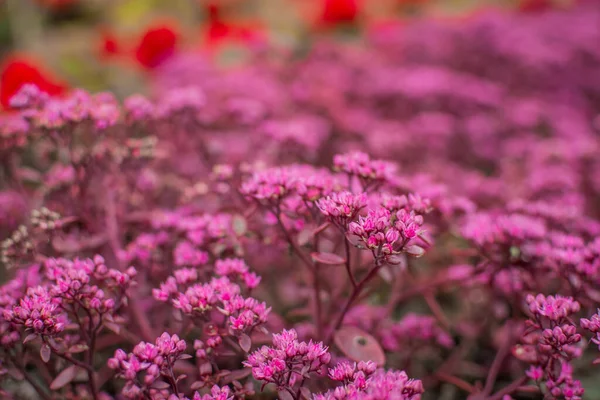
(220, 31)
(535, 5)
(18, 72)
(57, 4)
(109, 45)
(156, 45)
(339, 11)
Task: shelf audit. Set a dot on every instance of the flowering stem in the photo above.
(310, 265)
(290, 240)
(348, 265)
(138, 316)
(173, 382)
(91, 351)
(67, 357)
(467, 387)
(299, 391)
(31, 381)
(317, 295)
(496, 364)
(318, 308)
(437, 311)
(355, 293)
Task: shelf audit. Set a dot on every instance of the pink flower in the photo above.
(287, 357)
(342, 207)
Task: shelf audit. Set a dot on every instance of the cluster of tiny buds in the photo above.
(389, 233)
(412, 202)
(554, 339)
(379, 385)
(206, 347)
(342, 207)
(554, 308)
(288, 359)
(270, 185)
(360, 164)
(37, 312)
(237, 268)
(44, 219)
(17, 245)
(152, 359)
(357, 374)
(593, 325)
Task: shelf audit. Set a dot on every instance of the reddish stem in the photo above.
(509, 389)
(355, 293)
(467, 387)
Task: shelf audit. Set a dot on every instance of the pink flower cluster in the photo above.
(342, 207)
(372, 385)
(359, 164)
(148, 363)
(386, 233)
(414, 331)
(222, 295)
(38, 312)
(593, 325)
(550, 342)
(289, 362)
(288, 201)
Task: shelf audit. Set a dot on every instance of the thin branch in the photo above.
(355, 293)
(348, 265)
(467, 387)
(497, 363)
(509, 389)
(290, 240)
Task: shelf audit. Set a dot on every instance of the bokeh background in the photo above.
(508, 115)
(92, 43)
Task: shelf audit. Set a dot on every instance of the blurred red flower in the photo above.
(220, 31)
(57, 4)
(19, 71)
(109, 45)
(535, 5)
(339, 11)
(157, 44)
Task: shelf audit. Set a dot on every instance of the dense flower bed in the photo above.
(416, 218)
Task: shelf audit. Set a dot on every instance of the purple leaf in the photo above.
(306, 393)
(327, 258)
(45, 353)
(245, 342)
(78, 348)
(161, 385)
(358, 345)
(66, 376)
(30, 337)
(285, 395)
(305, 236)
(113, 327)
(355, 240)
(205, 368)
(236, 375)
(415, 251)
(321, 228)
(197, 385)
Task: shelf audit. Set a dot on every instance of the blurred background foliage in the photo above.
(73, 38)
